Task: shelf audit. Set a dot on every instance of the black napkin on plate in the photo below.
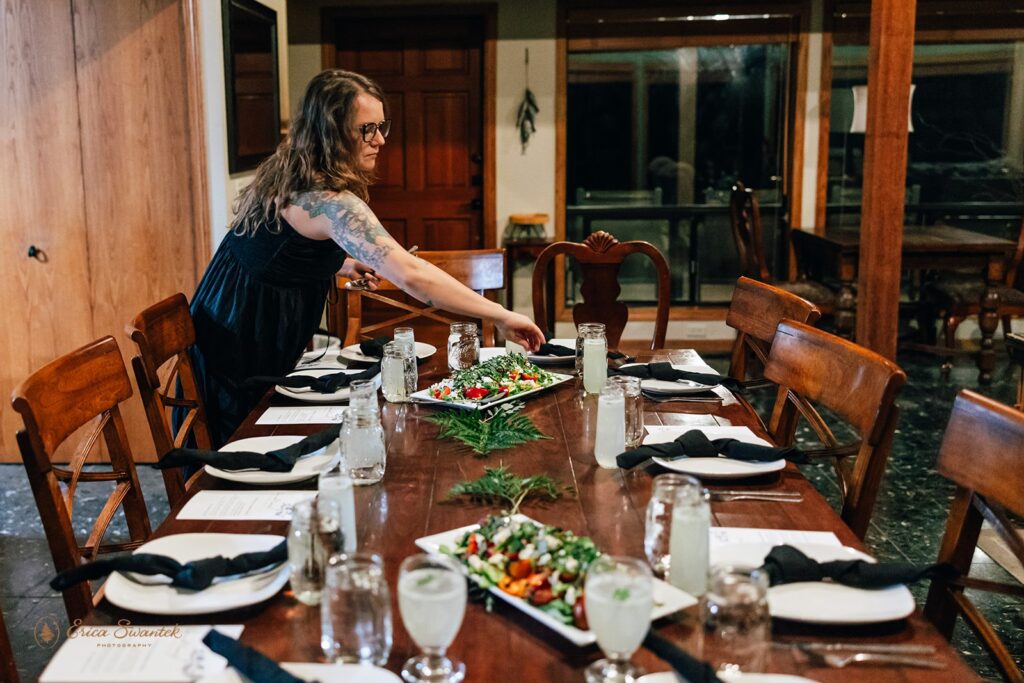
(195, 575)
(665, 371)
(786, 564)
(686, 666)
(696, 444)
(547, 349)
(374, 348)
(252, 664)
(325, 384)
(279, 460)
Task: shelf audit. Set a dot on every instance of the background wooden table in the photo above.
(607, 505)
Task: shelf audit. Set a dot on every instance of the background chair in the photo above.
(955, 298)
(755, 311)
(982, 453)
(164, 334)
(86, 385)
(857, 385)
(482, 270)
(599, 256)
(745, 216)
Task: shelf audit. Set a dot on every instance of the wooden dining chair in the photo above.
(482, 270)
(164, 333)
(8, 668)
(982, 453)
(600, 256)
(82, 387)
(954, 298)
(755, 311)
(857, 385)
(745, 217)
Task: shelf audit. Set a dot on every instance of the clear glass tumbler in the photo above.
(595, 359)
(432, 600)
(355, 616)
(463, 346)
(620, 597)
(610, 435)
(312, 537)
(405, 335)
(658, 523)
(362, 438)
(634, 408)
(737, 626)
(393, 371)
(582, 331)
(362, 393)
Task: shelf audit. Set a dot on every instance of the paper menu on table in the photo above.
(136, 654)
(244, 505)
(298, 415)
(721, 535)
(666, 433)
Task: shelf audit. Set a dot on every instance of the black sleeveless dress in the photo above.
(257, 306)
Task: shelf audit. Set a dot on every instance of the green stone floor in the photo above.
(907, 524)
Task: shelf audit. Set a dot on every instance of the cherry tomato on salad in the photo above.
(519, 569)
(475, 392)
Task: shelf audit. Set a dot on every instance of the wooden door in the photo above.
(46, 308)
(430, 173)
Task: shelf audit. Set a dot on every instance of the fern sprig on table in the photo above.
(485, 431)
(498, 484)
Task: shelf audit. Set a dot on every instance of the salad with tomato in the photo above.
(496, 378)
(541, 564)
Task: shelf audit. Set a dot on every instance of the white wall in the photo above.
(223, 186)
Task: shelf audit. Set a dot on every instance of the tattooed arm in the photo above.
(348, 221)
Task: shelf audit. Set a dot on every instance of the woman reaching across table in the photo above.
(262, 296)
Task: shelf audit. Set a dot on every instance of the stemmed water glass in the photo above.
(432, 601)
(619, 597)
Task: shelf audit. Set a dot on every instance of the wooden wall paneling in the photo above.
(890, 61)
(202, 248)
(41, 200)
(134, 104)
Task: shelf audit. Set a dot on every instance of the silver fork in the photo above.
(779, 496)
(683, 399)
(840, 661)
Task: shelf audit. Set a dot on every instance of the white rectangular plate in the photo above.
(667, 599)
(423, 396)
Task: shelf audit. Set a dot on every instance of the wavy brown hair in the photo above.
(317, 152)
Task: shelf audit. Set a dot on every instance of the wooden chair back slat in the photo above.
(482, 270)
(56, 400)
(745, 217)
(163, 335)
(600, 256)
(856, 384)
(982, 452)
(755, 311)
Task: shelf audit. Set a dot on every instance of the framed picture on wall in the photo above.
(251, 83)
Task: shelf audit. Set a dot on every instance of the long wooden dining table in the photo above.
(607, 505)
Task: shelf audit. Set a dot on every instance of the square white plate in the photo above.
(220, 597)
(713, 468)
(821, 602)
(667, 599)
(306, 467)
(309, 396)
(423, 396)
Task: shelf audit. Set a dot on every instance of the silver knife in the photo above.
(875, 648)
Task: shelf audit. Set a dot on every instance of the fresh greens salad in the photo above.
(539, 563)
(499, 377)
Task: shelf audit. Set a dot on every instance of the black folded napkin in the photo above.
(279, 460)
(195, 575)
(786, 564)
(686, 666)
(665, 371)
(325, 384)
(374, 348)
(696, 444)
(547, 349)
(252, 664)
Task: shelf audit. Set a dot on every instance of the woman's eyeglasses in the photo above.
(369, 130)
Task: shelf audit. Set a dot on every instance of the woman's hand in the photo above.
(357, 270)
(521, 330)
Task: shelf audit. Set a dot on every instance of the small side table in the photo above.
(528, 251)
